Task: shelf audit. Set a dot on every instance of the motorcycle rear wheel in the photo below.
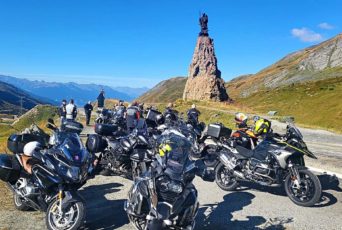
(19, 203)
(225, 179)
(309, 192)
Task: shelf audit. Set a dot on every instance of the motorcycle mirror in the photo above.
(50, 120)
(49, 126)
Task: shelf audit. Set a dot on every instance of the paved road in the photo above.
(251, 207)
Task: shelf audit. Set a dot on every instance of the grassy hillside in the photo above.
(297, 67)
(38, 115)
(166, 91)
(314, 104)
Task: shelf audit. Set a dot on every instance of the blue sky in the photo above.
(139, 43)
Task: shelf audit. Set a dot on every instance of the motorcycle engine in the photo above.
(26, 188)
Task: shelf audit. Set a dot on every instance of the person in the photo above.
(170, 114)
(87, 110)
(62, 111)
(121, 109)
(101, 100)
(132, 116)
(193, 114)
(71, 110)
(26, 157)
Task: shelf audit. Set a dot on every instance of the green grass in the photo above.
(313, 104)
(38, 115)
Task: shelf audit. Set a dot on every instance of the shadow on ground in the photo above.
(103, 213)
(328, 182)
(219, 215)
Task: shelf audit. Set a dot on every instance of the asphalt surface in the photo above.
(250, 207)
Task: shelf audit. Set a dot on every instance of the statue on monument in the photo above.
(204, 25)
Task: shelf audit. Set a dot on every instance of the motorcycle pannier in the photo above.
(16, 142)
(72, 127)
(218, 130)
(95, 143)
(9, 168)
(152, 115)
(106, 129)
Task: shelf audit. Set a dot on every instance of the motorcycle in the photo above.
(124, 155)
(58, 172)
(164, 197)
(279, 159)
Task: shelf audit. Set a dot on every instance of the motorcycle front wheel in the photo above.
(69, 219)
(224, 178)
(308, 192)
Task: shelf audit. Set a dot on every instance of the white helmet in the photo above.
(30, 147)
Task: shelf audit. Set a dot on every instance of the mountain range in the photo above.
(81, 93)
(11, 99)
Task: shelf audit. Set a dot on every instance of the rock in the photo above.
(204, 80)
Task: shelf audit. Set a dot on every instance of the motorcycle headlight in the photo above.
(73, 173)
(175, 186)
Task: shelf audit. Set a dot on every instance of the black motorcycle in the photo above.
(57, 173)
(279, 159)
(164, 197)
(120, 154)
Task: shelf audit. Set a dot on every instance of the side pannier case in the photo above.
(95, 143)
(218, 130)
(9, 168)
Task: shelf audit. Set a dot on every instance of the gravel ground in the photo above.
(251, 207)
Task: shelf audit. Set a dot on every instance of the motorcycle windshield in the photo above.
(72, 148)
(178, 154)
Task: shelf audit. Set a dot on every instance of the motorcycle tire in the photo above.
(19, 203)
(77, 205)
(316, 186)
(231, 185)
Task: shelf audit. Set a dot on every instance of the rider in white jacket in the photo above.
(71, 110)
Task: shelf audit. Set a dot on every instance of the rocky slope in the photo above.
(10, 99)
(318, 62)
(204, 80)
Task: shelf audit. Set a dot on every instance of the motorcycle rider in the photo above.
(193, 114)
(71, 110)
(26, 157)
(87, 110)
(121, 108)
(133, 115)
(170, 114)
(100, 100)
(62, 111)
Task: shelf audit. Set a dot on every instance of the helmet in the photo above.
(241, 118)
(31, 147)
(160, 119)
(262, 126)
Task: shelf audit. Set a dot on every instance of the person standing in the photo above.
(132, 116)
(71, 110)
(101, 100)
(87, 110)
(62, 111)
(193, 115)
(121, 109)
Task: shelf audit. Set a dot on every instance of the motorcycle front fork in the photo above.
(295, 177)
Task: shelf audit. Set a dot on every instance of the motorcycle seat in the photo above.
(244, 152)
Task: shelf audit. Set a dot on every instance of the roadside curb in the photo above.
(338, 175)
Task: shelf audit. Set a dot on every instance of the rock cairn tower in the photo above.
(204, 80)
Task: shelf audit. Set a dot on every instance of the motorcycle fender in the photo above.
(188, 199)
(70, 197)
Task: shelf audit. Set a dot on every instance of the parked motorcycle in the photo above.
(59, 171)
(124, 155)
(279, 159)
(164, 197)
